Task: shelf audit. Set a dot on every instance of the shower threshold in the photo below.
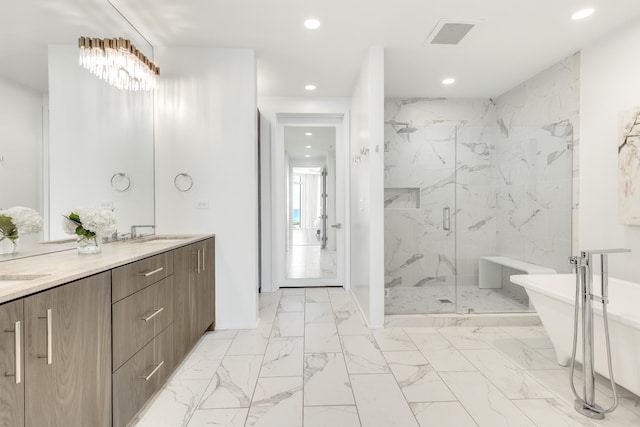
(442, 320)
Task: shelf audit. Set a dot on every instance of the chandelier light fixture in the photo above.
(118, 62)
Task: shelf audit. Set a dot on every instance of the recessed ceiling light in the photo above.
(312, 24)
(307, 146)
(307, 155)
(448, 81)
(581, 14)
(308, 134)
(310, 87)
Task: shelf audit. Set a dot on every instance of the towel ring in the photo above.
(120, 182)
(183, 182)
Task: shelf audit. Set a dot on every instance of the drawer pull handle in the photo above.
(18, 352)
(152, 272)
(198, 254)
(203, 265)
(18, 345)
(152, 373)
(49, 355)
(152, 315)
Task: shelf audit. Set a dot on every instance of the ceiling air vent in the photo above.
(449, 32)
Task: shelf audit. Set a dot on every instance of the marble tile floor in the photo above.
(467, 299)
(305, 236)
(313, 362)
(311, 262)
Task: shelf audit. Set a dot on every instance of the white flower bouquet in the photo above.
(90, 224)
(18, 220)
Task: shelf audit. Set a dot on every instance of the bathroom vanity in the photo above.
(86, 340)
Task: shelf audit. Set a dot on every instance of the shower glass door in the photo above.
(457, 193)
(420, 217)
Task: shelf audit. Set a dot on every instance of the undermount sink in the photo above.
(16, 279)
(160, 239)
(60, 242)
(12, 277)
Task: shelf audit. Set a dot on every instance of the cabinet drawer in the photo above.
(133, 277)
(136, 381)
(140, 317)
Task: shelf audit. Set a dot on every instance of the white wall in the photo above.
(206, 127)
(20, 147)
(97, 131)
(610, 84)
(367, 188)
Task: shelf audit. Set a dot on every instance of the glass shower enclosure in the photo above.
(457, 192)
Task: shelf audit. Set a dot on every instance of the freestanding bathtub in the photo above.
(553, 296)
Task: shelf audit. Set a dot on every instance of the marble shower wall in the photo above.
(424, 174)
(536, 148)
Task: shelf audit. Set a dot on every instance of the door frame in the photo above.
(278, 190)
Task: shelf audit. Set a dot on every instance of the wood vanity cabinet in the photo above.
(194, 294)
(63, 339)
(93, 351)
(11, 364)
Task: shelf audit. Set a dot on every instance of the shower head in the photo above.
(405, 127)
(394, 123)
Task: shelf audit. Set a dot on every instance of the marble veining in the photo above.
(484, 402)
(277, 402)
(326, 380)
(233, 383)
(283, 357)
(417, 379)
(363, 356)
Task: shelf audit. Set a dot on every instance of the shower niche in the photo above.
(401, 198)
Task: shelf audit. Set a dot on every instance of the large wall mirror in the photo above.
(67, 138)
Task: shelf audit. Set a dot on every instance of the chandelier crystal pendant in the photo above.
(118, 62)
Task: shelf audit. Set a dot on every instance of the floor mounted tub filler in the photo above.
(553, 296)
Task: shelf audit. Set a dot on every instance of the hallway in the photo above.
(313, 362)
(307, 260)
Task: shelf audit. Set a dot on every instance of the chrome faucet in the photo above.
(583, 266)
(585, 260)
(135, 227)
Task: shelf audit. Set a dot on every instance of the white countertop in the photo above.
(58, 268)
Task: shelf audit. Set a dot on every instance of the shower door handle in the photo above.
(446, 219)
(336, 225)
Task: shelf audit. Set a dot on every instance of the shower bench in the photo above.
(490, 270)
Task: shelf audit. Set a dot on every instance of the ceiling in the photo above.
(514, 40)
(321, 141)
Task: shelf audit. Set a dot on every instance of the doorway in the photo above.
(309, 248)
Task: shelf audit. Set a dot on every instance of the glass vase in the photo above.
(8, 245)
(89, 245)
